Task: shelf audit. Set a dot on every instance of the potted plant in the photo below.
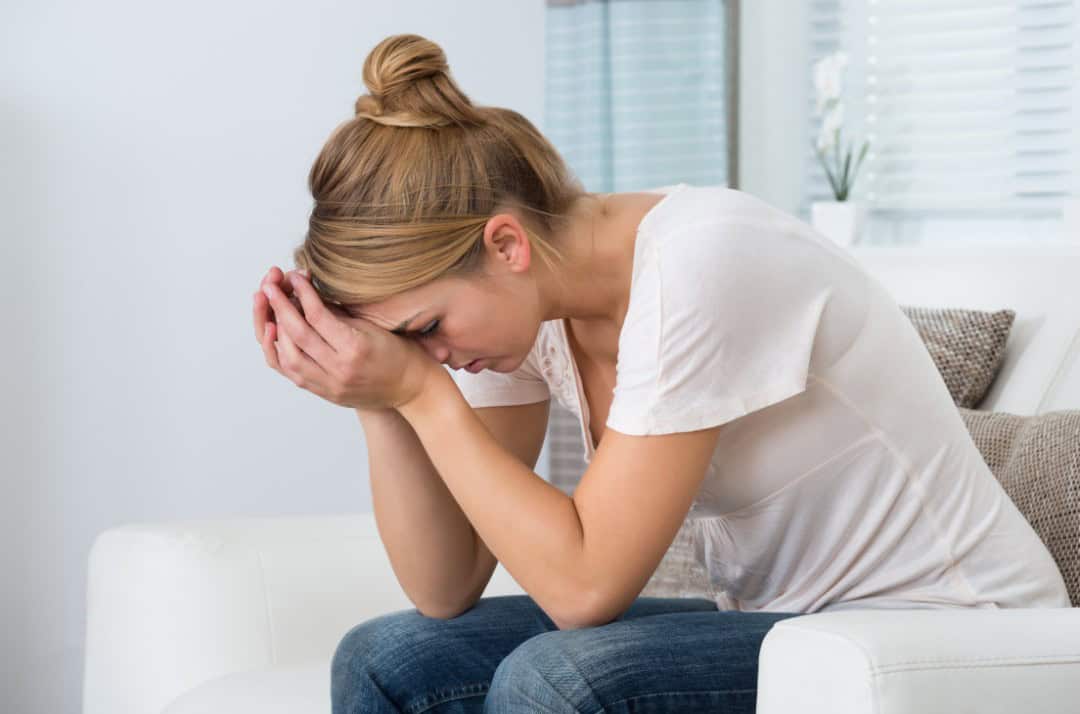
(841, 219)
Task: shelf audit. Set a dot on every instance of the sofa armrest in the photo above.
(924, 661)
(173, 605)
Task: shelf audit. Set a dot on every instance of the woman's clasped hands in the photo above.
(353, 364)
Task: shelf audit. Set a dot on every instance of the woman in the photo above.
(767, 391)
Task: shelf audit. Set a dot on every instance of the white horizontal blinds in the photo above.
(825, 36)
(635, 91)
(971, 105)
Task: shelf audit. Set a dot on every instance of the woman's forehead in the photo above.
(399, 309)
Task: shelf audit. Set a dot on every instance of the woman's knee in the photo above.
(541, 674)
(377, 639)
(366, 657)
(403, 655)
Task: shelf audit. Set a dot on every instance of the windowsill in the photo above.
(883, 230)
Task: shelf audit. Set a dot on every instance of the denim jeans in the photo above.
(506, 656)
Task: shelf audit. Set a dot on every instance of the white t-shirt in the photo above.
(845, 476)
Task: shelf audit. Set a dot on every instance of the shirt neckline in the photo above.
(584, 416)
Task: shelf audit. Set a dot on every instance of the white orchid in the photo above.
(829, 78)
(829, 87)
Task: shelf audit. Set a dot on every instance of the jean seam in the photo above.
(478, 689)
(603, 709)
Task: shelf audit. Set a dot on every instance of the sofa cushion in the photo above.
(1037, 461)
(967, 346)
(679, 573)
(302, 688)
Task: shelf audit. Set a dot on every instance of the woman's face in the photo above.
(460, 320)
(493, 317)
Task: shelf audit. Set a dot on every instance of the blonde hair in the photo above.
(404, 189)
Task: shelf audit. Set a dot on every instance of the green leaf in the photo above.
(828, 174)
(844, 176)
(858, 162)
(838, 150)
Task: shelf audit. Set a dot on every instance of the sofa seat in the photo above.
(273, 690)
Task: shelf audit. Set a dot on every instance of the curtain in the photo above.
(638, 94)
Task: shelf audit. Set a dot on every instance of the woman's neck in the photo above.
(600, 259)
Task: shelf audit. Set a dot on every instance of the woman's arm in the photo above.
(431, 545)
(530, 526)
(583, 559)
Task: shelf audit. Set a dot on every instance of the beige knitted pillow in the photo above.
(679, 573)
(1037, 461)
(966, 345)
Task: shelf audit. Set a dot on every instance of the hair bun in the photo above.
(400, 59)
(409, 83)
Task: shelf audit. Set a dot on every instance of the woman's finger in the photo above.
(300, 332)
(274, 275)
(328, 325)
(269, 348)
(262, 314)
(261, 310)
(258, 316)
(300, 368)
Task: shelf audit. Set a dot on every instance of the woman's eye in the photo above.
(431, 329)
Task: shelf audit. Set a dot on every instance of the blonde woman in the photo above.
(731, 369)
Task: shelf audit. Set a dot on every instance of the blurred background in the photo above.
(155, 158)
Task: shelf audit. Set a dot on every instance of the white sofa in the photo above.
(243, 615)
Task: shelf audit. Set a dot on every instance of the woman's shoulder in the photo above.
(690, 209)
(716, 238)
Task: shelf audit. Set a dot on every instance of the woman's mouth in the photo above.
(474, 366)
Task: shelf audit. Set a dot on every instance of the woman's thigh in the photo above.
(406, 662)
(673, 662)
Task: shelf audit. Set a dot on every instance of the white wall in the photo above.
(155, 158)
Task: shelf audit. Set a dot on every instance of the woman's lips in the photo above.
(474, 366)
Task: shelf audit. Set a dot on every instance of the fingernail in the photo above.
(306, 273)
(267, 291)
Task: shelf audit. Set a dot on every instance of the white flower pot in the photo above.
(1071, 219)
(842, 221)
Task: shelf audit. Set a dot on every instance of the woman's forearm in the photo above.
(529, 525)
(431, 544)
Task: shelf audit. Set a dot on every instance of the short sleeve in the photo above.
(488, 388)
(721, 322)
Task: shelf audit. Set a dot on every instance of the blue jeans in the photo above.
(506, 656)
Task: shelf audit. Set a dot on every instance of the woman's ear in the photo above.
(507, 243)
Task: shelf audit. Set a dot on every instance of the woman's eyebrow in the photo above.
(399, 330)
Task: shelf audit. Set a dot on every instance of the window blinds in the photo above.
(636, 92)
(972, 107)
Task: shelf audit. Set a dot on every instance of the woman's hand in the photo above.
(263, 313)
(358, 365)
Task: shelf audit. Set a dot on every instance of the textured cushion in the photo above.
(966, 345)
(1037, 461)
(679, 573)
